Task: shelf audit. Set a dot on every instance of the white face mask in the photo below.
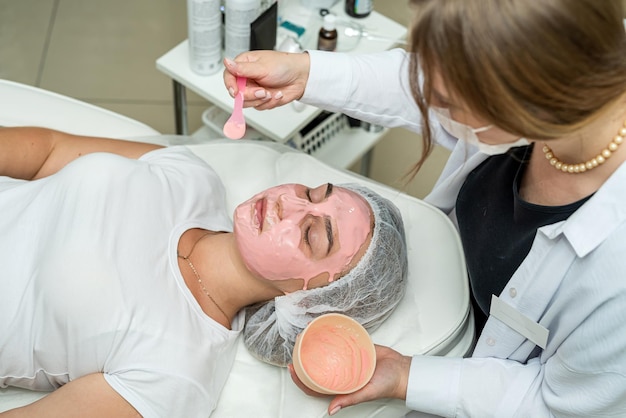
(468, 134)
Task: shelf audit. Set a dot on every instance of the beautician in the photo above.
(531, 98)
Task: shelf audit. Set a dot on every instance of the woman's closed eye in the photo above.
(317, 236)
(307, 231)
(317, 230)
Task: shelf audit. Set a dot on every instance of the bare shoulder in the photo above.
(29, 152)
(88, 396)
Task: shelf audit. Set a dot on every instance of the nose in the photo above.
(288, 205)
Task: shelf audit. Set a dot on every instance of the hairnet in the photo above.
(368, 293)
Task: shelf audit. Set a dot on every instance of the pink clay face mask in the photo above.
(291, 231)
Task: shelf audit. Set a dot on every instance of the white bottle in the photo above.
(239, 15)
(204, 21)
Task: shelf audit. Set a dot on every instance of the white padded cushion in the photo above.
(24, 105)
(433, 317)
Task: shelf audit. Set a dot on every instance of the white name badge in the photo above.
(519, 322)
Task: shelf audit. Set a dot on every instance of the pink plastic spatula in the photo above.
(235, 126)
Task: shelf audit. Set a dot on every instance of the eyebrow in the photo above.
(329, 234)
(329, 227)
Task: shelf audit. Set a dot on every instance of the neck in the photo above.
(224, 276)
(590, 140)
(543, 184)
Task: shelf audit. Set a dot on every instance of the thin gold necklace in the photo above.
(596, 161)
(206, 292)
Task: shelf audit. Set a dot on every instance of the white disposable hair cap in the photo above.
(368, 293)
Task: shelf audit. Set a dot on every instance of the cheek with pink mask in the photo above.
(274, 251)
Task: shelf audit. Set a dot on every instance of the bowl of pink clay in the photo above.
(334, 355)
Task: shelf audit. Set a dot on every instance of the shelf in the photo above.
(348, 147)
(284, 123)
(342, 152)
(281, 123)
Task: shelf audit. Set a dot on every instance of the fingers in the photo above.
(254, 95)
(368, 393)
(245, 65)
(273, 77)
(340, 401)
(301, 385)
(230, 80)
(263, 103)
(231, 71)
(260, 98)
(267, 104)
(390, 380)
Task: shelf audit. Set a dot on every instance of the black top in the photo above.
(497, 227)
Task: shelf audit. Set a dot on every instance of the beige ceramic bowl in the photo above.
(334, 355)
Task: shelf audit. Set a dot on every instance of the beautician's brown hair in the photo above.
(539, 69)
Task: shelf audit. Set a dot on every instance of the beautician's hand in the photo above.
(274, 78)
(389, 381)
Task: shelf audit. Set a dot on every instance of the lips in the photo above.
(259, 212)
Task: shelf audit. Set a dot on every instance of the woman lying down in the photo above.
(123, 289)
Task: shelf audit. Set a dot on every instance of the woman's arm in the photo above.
(371, 87)
(88, 396)
(30, 153)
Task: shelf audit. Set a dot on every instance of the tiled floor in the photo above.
(104, 52)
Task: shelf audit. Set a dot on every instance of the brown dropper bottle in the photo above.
(327, 39)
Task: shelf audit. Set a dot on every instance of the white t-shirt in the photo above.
(90, 281)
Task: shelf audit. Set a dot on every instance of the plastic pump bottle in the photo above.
(327, 40)
(239, 15)
(204, 23)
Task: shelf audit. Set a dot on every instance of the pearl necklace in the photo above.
(599, 159)
(206, 292)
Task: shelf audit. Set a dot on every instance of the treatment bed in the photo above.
(434, 318)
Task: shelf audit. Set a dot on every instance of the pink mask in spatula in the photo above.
(235, 126)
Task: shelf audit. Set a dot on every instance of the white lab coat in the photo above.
(573, 281)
